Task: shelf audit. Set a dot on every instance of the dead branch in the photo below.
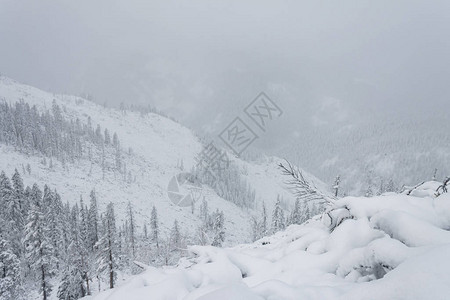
(443, 188)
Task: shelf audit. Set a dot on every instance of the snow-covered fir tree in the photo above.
(10, 277)
(278, 221)
(154, 224)
(131, 230)
(108, 256)
(297, 215)
(39, 249)
(336, 185)
(93, 219)
(175, 236)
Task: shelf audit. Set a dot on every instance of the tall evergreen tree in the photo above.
(154, 224)
(39, 250)
(337, 183)
(278, 217)
(132, 229)
(10, 280)
(175, 235)
(218, 221)
(297, 213)
(108, 256)
(15, 212)
(93, 219)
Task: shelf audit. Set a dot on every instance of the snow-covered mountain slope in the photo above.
(158, 145)
(393, 247)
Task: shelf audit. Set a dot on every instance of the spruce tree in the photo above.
(296, 216)
(278, 217)
(93, 219)
(175, 236)
(154, 226)
(107, 260)
(15, 213)
(39, 249)
(264, 220)
(132, 230)
(10, 280)
(218, 228)
(71, 287)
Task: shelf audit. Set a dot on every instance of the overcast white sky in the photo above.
(202, 61)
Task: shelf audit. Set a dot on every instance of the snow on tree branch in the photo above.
(301, 187)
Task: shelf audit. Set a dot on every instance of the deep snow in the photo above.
(394, 246)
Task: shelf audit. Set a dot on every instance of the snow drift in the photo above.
(394, 246)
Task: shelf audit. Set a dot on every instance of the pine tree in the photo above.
(84, 245)
(58, 227)
(296, 216)
(107, 260)
(75, 272)
(145, 231)
(10, 280)
(6, 194)
(107, 137)
(369, 192)
(39, 250)
(255, 229)
(83, 225)
(175, 236)
(71, 287)
(278, 217)
(154, 226)
(264, 221)
(219, 238)
(49, 215)
(391, 186)
(93, 219)
(98, 135)
(15, 211)
(132, 229)
(218, 221)
(381, 189)
(259, 227)
(307, 214)
(115, 141)
(204, 213)
(336, 184)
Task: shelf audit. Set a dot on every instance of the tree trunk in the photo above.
(44, 288)
(111, 270)
(88, 290)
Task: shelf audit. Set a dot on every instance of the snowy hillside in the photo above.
(158, 145)
(394, 246)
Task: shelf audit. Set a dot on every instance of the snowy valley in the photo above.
(224, 150)
(128, 161)
(392, 246)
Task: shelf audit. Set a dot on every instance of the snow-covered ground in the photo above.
(158, 145)
(394, 246)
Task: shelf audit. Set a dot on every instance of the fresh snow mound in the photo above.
(389, 247)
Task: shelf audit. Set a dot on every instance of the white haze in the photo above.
(328, 64)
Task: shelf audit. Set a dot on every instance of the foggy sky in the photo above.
(323, 62)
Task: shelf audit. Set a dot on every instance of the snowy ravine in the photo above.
(394, 246)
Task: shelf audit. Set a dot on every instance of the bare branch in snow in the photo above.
(301, 187)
